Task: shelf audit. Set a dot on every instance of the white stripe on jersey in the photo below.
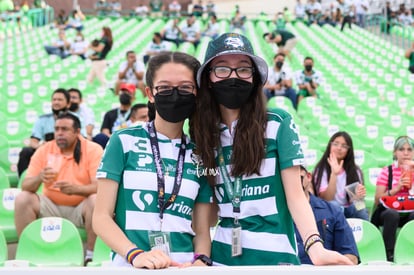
(136, 220)
(272, 129)
(259, 207)
(257, 241)
(140, 180)
(267, 169)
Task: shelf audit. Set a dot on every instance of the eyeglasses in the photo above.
(343, 146)
(225, 72)
(165, 90)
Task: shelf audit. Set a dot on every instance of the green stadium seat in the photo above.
(404, 245)
(3, 249)
(4, 179)
(50, 241)
(7, 226)
(101, 253)
(369, 241)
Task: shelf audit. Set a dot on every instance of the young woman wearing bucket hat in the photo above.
(257, 153)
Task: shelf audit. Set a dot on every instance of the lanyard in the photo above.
(233, 190)
(162, 204)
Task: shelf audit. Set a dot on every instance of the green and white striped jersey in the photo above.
(128, 160)
(268, 236)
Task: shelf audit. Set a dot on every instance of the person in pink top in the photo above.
(335, 171)
(389, 218)
(65, 168)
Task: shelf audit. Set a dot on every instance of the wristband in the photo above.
(205, 259)
(312, 239)
(132, 254)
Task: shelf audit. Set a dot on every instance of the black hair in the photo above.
(76, 126)
(353, 171)
(162, 58)
(64, 92)
(76, 91)
(74, 118)
(136, 107)
(308, 58)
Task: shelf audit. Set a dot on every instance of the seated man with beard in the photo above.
(43, 129)
(66, 169)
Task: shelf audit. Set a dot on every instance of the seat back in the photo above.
(404, 245)
(8, 195)
(369, 241)
(4, 179)
(101, 253)
(3, 249)
(50, 241)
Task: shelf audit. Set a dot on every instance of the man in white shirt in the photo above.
(300, 11)
(308, 80)
(85, 113)
(131, 71)
(174, 9)
(156, 46)
(361, 8)
(314, 11)
(213, 28)
(79, 46)
(406, 18)
(191, 30)
(141, 10)
(279, 80)
(172, 31)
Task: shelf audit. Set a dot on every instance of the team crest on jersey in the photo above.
(143, 160)
(196, 159)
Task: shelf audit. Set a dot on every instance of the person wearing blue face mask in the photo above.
(257, 153)
(148, 178)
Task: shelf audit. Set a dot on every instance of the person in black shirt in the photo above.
(285, 41)
(101, 50)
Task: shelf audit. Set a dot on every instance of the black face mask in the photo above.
(279, 64)
(232, 93)
(125, 99)
(175, 107)
(58, 112)
(74, 106)
(308, 68)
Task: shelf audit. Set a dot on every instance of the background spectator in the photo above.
(84, 113)
(213, 28)
(308, 80)
(60, 46)
(114, 8)
(156, 46)
(335, 171)
(131, 71)
(174, 9)
(79, 46)
(141, 10)
(68, 179)
(101, 8)
(279, 80)
(332, 224)
(394, 184)
(100, 48)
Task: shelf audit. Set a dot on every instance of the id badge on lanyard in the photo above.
(234, 193)
(158, 239)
